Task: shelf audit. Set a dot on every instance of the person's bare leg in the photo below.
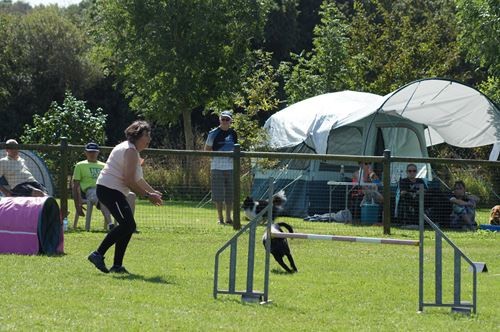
(37, 193)
(467, 219)
(219, 206)
(131, 201)
(229, 209)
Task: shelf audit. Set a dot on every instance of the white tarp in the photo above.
(454, 113)
(315, 117)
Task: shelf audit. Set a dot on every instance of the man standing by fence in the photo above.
(222, 138)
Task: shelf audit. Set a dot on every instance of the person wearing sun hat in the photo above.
(85, 176)
(18, 176)
(222, 138)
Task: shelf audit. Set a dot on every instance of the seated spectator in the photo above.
(373, 177)
(464, 207)
(370, 192)
(408, 189)
(18, 176)
(85, 176)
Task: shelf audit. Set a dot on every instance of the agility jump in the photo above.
(344, 238)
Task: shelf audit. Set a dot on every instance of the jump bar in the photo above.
(344, 238)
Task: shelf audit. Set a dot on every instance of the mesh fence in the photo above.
(330, 190)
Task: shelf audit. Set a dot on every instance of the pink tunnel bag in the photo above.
(30, 225)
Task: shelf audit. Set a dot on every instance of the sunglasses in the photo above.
(411, 171)
(225, 119)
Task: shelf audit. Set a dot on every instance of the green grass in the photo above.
(340, 286)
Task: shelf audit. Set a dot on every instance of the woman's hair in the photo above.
(136, 130)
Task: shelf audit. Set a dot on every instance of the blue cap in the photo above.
(91, 147)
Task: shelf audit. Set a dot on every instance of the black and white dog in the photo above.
(279, 247)
(253, 207)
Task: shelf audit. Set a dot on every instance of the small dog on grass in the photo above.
(253, 207)
(495, 215)
(280, 247)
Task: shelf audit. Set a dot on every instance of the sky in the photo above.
(61, 3)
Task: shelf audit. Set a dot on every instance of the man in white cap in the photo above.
(222, 138)
(18, 176)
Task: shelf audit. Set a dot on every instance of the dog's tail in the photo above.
(279, 199)
(287, 226)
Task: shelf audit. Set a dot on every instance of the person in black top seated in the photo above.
(408, 188)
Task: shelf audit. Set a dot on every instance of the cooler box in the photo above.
(369, 213)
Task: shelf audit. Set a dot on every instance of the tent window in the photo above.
(297, 164)
(402, 141)
(345, 140)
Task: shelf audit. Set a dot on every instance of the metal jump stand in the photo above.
(248, 295)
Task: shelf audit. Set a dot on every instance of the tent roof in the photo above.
(452, 112)
(316, 116)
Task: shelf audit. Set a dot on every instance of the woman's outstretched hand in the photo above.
(155, 198)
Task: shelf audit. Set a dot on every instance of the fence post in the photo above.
(387, 192)
(63, 179)
(236, 186)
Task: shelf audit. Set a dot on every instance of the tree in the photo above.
(177, 56)
(323, 69)
(42, 55)
(393, 43)
(479, 37)
(72, 119)
(257, 95)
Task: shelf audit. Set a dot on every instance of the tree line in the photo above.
(177, 63)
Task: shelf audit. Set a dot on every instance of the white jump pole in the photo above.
(344, 238)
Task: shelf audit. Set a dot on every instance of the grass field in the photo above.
(339, 287)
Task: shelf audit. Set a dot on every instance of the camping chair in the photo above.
(88, 214)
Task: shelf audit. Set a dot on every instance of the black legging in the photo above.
(120, 235)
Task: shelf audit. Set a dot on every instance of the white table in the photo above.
(333, 184)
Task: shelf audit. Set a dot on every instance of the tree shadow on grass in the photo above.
(155, 279)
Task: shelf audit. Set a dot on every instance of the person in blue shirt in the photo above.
(222, 138)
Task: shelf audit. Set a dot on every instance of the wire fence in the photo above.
(333, 189)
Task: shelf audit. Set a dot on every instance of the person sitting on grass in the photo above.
(464, 207)
(18, 176)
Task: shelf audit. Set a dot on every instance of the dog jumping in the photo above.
(279, 247)
(253, 207)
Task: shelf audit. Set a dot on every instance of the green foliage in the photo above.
(72, 119)
(41, 56)
(256, 96)
(340, 286)
(491, 88)
(176, 56)
(393, 43)
(323, 69)
(479, 38)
